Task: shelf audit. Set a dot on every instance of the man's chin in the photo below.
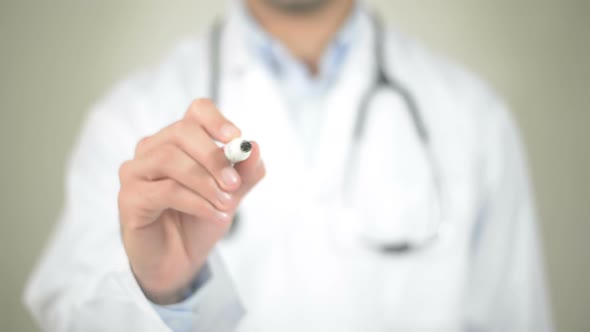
(297, 6)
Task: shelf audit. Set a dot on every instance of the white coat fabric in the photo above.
(299, 259)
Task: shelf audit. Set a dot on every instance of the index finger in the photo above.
(204, 112)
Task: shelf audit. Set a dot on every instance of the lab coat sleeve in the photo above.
(83, 281)
(188, 315)
(179, 316)
(506, 287)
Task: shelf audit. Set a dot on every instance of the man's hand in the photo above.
(178, 197)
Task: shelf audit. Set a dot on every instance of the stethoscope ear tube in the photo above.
(215, 59)
(384, 80)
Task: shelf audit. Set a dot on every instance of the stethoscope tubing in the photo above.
(382, 81)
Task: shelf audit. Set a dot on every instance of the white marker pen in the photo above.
(237, 150)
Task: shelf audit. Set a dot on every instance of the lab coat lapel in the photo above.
(342, 105)
(251, 98)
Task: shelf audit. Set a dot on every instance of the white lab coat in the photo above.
(298, 260)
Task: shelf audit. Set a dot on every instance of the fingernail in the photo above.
(229, 131)
(224, 198)
(229, 176)
(222, 216)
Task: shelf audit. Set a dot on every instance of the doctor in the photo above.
(393, 195)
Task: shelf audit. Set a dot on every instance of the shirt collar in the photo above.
(275, 57)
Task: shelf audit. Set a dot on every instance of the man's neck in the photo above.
(306, 35)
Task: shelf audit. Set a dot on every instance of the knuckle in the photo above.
(169, 188)
(161, 155)
(188, 170)
(130, 224)
(177, 132)
(142, 144)
(124, 170)
(197, 106)
(135, 205)
(126, 201)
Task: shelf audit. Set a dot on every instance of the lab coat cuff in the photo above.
(182, 316)
(211, 305)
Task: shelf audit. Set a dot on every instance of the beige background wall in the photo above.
(56, 57)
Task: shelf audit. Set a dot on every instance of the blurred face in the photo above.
(297, 6)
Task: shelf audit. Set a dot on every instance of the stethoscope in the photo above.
(382, 81)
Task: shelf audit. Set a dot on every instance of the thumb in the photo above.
(251, 170)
